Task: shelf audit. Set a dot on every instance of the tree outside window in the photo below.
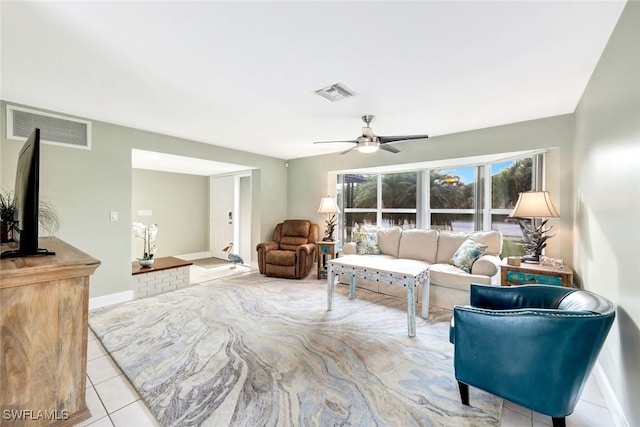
(378, 199)
(452, 199)
(457, 199)
(508, 180)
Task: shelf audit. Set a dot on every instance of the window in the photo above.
(377, 199)
(452, 199)
(399, 199)
(357, 194)
(463, 198)
(508, 179)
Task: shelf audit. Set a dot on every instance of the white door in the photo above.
(222, 215)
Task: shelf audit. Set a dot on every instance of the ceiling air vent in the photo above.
(335, 92)
(54, 129)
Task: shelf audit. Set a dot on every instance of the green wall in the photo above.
(311, 178)
(86, 185)
(179, 204)
(607, 198)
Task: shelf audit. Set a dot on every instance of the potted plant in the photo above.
(7, 210)
(148, 235)
(48, 220)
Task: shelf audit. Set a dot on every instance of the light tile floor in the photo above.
(113, 401)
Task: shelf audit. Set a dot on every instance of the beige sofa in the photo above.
(449, 284)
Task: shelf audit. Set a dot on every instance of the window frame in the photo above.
(483, 213)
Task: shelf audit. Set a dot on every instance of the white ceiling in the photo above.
(242, 74)
(151, 160)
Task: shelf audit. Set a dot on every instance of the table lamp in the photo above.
(534, 204)
(329, 207)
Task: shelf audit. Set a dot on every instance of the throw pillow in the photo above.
(366, 243)
(468, 252)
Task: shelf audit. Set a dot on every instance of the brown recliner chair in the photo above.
(292, 252)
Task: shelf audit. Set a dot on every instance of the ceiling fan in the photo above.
(370, 143)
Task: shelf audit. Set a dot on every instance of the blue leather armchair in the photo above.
(533, 345)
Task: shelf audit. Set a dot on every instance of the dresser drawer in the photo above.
(518, 277)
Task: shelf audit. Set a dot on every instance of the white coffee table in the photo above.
(392, 271)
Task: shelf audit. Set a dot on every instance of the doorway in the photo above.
(230, 213)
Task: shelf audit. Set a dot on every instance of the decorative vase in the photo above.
(6, 231)
(145, 262)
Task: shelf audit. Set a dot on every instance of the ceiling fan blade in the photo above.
(385, 139)
(349, 150)
(390, 148)
(332, 142)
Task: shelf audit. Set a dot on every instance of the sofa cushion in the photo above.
(467, 254)
(450, 276)
(492, 238)
(366, 243)
(282, 258)
(419, 244)
(291, 243)
(448, 244)
(389, 240)
(296, 228)
(294, 232)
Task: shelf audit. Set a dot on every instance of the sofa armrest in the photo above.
(349, 248)
(486, 265)
(267, 246)
(306, 249)
(305, 256)
(262, 249)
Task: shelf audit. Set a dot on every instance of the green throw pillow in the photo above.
(467, 254)
(366, 243)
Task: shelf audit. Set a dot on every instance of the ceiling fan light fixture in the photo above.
(368, 142)
(367, 146)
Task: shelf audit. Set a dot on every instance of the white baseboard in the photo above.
(619, 419)
(111, 299)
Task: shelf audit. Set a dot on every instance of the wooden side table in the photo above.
(525, 273)
(325, 249)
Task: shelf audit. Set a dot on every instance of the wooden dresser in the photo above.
(44, 308)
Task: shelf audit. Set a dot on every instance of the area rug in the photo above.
(256, 351)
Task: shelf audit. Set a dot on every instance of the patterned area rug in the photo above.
(257, 351)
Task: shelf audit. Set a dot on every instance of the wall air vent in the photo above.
(335, 92)
(54, 129)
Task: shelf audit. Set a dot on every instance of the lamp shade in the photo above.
(534, 204)
(328, 206)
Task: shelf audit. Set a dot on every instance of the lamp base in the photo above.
(530, 259)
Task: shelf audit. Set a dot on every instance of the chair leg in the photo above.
(558, 422)
(464, 393)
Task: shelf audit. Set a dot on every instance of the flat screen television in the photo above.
(27, 200)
